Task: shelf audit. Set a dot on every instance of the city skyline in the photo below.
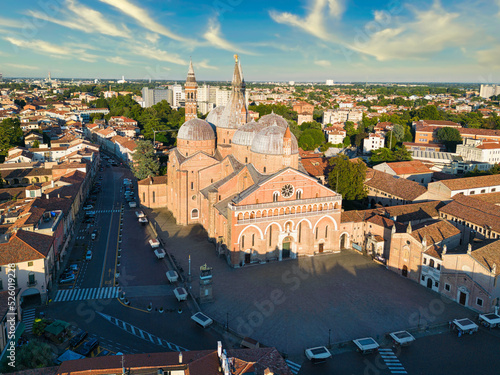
(310, 40)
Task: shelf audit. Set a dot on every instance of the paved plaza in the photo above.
(297, 304)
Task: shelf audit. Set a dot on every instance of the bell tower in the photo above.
(191, 90)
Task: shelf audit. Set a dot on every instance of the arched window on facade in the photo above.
(298, 194)
(194, 213)
(242, 242)
(431, 263)
(275, 196)
(317, 231)
(326, 232)
(154, 196)
(253, 240)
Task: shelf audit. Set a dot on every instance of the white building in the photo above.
(333, 116)
(489, 90)
(479, 151)
(222, 96)
(329, 82)
(373, 142)
(178, 95)
(335, 136)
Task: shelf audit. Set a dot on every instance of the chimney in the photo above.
(445, 249)
(180, 357)
(408, 228)
(469, 249)
(58, 195)
(52, 183)
(47, 196)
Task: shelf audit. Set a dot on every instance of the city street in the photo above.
(92, 302)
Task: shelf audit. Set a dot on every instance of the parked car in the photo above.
(78, 338)
(67, 278)
(93, 236)
(73, 267)
(89, 255)
(89, 207)
(87, 347)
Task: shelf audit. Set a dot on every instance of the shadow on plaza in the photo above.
(309, 301)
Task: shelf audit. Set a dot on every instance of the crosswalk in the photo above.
(294, 367)
(80, 237)
(28, 317)
(105, 211)
(142, 334)
(392, 362)
(86, 294)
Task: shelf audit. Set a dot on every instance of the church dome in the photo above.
(214, 115)
(196, 130)
(272, 119)
(246, 133)
(269, 141)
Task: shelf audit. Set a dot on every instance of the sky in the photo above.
(279, 40)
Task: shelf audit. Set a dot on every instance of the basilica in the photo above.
(242, 180)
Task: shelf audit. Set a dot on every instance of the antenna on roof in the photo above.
(123, 364)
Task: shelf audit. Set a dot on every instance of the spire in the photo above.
(287, 133)
(238, 81)
(190, 76)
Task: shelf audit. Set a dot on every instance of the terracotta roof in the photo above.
(488, 256)
(435, 232)
(409, 167)
(25, 246)
(203, 362)
(472, 182)
(157, 180)
(397, 187)
(474, 210)
(493, 198)
(479, 132)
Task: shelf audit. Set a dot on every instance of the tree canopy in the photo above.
(450, 137)
(11, 135)
(347, 177)
(311, 138)
(387, 155)
(145, 161)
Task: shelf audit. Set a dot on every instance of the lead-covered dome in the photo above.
(272, 119)
(196, 130)
(214, 116)
(246, 133)
(269, 141)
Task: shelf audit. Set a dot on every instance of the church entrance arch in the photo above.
(286, 247)
(404, 271)
(344, 241)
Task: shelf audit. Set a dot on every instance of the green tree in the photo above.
(347, 177)
(10, 135)
(35, 354)
(358, 138)
(145, 161)
(311, 138)
(381, 155)
(450, 137)
(36, 143)
(349, 128)
(398, 131)
(20, 102)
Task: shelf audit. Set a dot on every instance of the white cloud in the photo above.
(6, 22)
(431, 32)
(157, 54)
(215, 38)
(205, 65)
(22, 67)
(324, 63)
(41, 46)
(118, 60)
(314, 22)
(152, 38)
(82, 18)
(143, 18)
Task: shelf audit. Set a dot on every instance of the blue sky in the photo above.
(301, 40)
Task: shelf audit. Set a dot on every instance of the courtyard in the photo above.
(309, 301)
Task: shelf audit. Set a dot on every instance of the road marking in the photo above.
(152, 338)
(392, 361)
(294, 367)
(86, 294)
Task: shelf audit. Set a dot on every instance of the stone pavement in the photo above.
(306, 302)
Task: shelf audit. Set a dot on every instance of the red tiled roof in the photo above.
(472, 182)
(436, 232)
(409, 167)
(25, 246)
(158, 180)
(397, 187)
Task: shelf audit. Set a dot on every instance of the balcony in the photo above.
(288, 216)
(32, 282)
(296, 202)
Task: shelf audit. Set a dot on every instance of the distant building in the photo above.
(373, 142)
(329, 82)
(178, 95)
(488, 91)
(480, 151)
(154, 96)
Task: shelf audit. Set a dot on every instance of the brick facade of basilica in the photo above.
(243, 182)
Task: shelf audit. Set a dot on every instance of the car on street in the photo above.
(78, 338)
(93, 236)
(317, 354)
(73, 267)
(88, 347)
(88, 207)
(89, 255)
(67, 278)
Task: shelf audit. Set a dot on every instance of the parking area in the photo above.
(307, 302)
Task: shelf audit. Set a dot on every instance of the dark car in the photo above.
(87, 347)
(78, 338)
